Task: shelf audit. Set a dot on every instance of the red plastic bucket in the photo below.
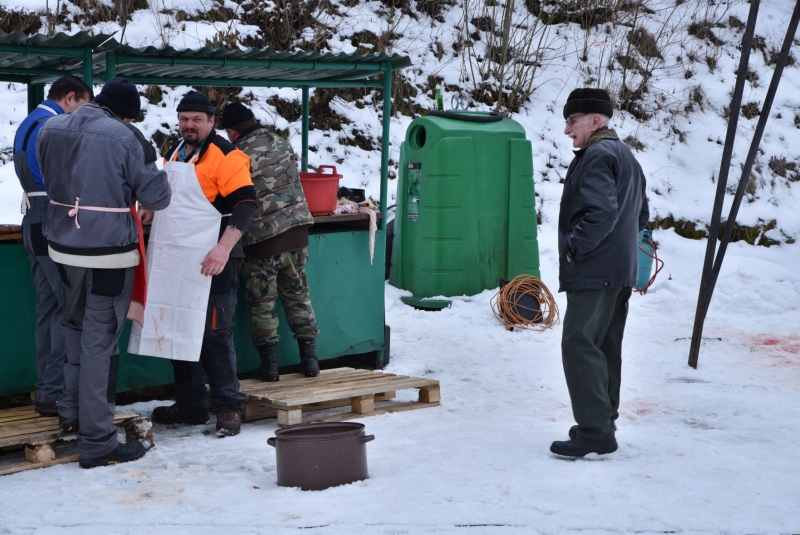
(321, 189)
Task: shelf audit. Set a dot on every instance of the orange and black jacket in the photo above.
(224, 175)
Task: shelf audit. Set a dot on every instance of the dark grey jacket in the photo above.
(105, 162)
(603, 208)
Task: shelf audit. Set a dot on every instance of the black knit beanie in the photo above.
(196, 101)
(589, 100)
(234, 114)
(120, 96)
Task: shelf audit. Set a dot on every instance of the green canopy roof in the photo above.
(39, 59)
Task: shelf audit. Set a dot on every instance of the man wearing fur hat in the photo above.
(603, 208)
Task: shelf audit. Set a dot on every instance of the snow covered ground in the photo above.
(709, 450)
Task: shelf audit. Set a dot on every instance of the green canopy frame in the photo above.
(37, 60)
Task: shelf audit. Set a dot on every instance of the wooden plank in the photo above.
(254, 411)
(397, 407)
(23, 465)
(360, 391)
(376, 380)
(276, 389)
(39, 429)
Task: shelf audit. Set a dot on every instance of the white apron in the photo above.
(177, 293)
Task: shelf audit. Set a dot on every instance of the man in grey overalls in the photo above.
(96, 166)
(65, 96)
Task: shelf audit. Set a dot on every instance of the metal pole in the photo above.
(35, 95)
(722, 182)
(304, 152)
(88, 76)
(751, 156)
(111, 65)
(387, 118)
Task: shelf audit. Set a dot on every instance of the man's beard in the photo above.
(191, 136)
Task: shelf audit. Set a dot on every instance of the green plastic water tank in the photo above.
(466, 212)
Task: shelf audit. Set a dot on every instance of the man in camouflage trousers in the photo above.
(275, 244)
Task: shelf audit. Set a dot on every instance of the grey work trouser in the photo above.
(50, 351)
(591, 351)
(96, 302)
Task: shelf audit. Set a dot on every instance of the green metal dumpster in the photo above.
(339, 275)
(466, 212)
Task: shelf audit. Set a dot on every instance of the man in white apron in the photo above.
(96, 166)
(65, 96)
(222, 173)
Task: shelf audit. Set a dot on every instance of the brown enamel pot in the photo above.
(318, 456)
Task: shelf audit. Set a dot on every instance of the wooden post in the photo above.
(429, 394)
(362, 404)
(40, 453)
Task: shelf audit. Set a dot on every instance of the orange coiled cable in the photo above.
(512, 308)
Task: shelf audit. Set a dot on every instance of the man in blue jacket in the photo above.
(65, 96)
(603, 208)
(96, 166)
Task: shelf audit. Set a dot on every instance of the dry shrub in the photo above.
(12, 21)
(644, 42)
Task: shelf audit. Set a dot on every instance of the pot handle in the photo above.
(331, 167)
(367, 438)
(271, 441)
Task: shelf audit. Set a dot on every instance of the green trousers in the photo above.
(284, 276)
(591, 351)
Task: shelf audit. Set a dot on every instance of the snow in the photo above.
(706, 450)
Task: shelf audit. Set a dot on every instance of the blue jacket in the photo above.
(33, 162)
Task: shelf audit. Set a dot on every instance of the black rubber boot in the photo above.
(46, 408)
(580, 446)
(309, 364)
(176, 414)
(268, 371)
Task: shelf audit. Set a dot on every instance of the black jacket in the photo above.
(603, 208)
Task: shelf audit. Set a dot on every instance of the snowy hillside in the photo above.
(710, 450)
(670, 65)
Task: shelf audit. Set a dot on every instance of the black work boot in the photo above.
(268, 371)
(176, 414)
(123, 454)
(46, 408)
(309, 364)
(68, 425)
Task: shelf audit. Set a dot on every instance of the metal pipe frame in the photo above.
(309, 64)
(387, 117)
(304, 132)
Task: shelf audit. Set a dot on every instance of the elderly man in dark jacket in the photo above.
(603, 208)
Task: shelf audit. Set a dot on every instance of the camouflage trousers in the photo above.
(265, 280)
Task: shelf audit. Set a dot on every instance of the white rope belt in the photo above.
(26, 204)
(77, 207)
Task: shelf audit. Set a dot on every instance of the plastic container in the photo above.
(321, 189)
(466, 206)
(319, 456)
(645, 259)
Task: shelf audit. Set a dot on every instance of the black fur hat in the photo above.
(589, 100)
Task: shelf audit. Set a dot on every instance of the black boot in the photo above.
(268, 371)
(309, 364)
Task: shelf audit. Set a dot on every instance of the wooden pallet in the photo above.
(28, 440)
(294, 394)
